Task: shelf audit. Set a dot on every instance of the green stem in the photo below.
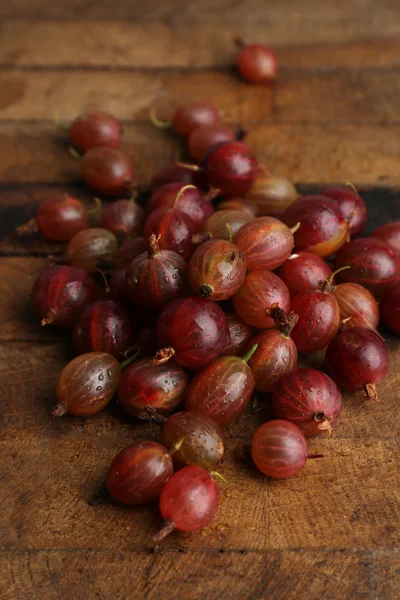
(97, 207)
(250, 353)
(131, 359)
(219, 476)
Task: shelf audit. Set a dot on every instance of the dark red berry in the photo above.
(279, 449)
(390, 307)
(216, 270)
(257, 63)
(258, 293)
(352, 206)
(309, 399)
(389, 233)
(188, 199)
(357, 358)
(129, 250)
(240, 333)
(124, 218)
(156, 277)
(372, 262)
(91, 249)
(323, 228)
(266, 242)
(188, 117)
(60, 293)
(174, 228)
(357, 306)
(304, 271)
(155, 382)
(272, 193)
(94, 129)
(231, 167)
(205, 137)
(108, 172)
(139, 473)
(196, 329)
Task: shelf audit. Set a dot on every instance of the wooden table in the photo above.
(333, 531)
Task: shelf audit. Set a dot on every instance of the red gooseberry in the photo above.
(58, 218)
(222, 389)
(258, 293)
(188, 199)
(271, 193)
(91, 249)
(87, 383)
(241, 204)
(108, 172)
(60, 293)
(390, 307)
(174, 228)
(389, 233)
(319, 317)
(173, 174)
(279, 449)
(139, 472)
(188, 501)
(357, 358)
(372, 262)
(231, 167)
(205, 137)
(240, 333)
(266, 243)
(352, 206)
(94, 129)
(156, 382)
(224, 224)
(193, 439)
(187, 118)
(357, 306)
(123, 218)
(156, 277)
(205, 328)
(256, 63)
(118, 291)
(276, 352)
(103, 326)
(216, 270)
(309, 399)
(304, 271)
(323, 228)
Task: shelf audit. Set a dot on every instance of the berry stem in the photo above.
(176, 446)
(106, 286)
(49, 318)
(250, 353)
(74, 153)
(128, 361)
(211, 194)
(27, 228)
(230, 232)
(285, 321)
(150, 414)
(352, 187)
(323, 422)
(154, 247)
(199, 238)
(372, 392)
(240, 133)
(295, 227)
(327, 285)
(219, 476)
(156, 122)
(168, 528)
(97, 207)
(239, 42)
(188, 166)
(182, 191)
(315, 456)
(59, 410)
(162, 356)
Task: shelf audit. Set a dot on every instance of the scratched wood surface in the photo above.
(332, 532)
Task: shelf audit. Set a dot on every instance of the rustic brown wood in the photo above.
(332, 532)
(164, 45)
(323, 573)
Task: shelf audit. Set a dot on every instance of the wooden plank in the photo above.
(124, 575)
(344, 18)
(308, 96)
(64, 94)
(386, 573)
(50, 480)
(307, 153)
(108, 44)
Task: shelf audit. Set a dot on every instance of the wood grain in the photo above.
(196, 575)
(166, 45)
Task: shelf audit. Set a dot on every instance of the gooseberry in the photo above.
(240, 333)
(174, 228)
(231, 167)
(357, 306)
(256, 63)
(304, 271)
(389, 233)
(108, 172)
(94, 129)
(271, 193)
(352, 206)
(124, 218)
(390, 307)
(91, 249)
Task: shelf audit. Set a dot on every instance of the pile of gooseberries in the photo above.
(189, 302)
